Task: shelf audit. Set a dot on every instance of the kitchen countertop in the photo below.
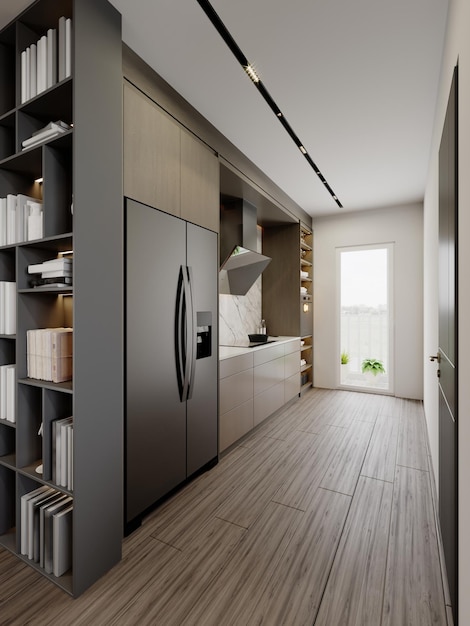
(226, 352)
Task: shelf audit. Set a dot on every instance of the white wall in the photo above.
(456, 50)
(402, 225)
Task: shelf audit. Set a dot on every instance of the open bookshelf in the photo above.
(77, 176)
(288, 289)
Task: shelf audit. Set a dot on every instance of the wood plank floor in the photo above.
(325, 515)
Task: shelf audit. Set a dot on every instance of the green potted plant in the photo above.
(344, 358)
(372, 366)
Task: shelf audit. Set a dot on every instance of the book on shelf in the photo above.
(21, 219)
(7, 308)
(62, 541)
(48, 283)
(57, 501)
(49, 354)
(47, 60)
(33, 522)
(53, 129)
(7, 392)
(49, 512)
(60, 264)
(24, 543)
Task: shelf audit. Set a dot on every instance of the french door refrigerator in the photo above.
(172, 358)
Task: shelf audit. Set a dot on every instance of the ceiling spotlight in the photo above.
(302, 150)
(250, 70)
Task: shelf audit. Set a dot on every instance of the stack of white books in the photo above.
(46, 529)
(7, 308)
(21, 219)
(62, 452)
(48, 60)
(51, 130)
(53, 272)
(7, 392)
(49, 354)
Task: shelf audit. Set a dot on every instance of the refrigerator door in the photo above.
(202, 404)
(155, 416)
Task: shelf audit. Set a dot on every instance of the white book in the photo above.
(56, 273)
(29, 353)
(43, 135)
(11, 393)
(64, 453)
(9, 310)
(49, 266)
(28, 73)
(24, 516)
(54, 503)
(48, 539)
(35, 228)
(11, 218)
(70, 458)
(33, 63)
(23, 76)
(3, 221)
(22, 212)
(62, 541)
(51, 57)
(3, 392)
(61, 50)
(58, 424)
(42, 64)
(68, 47)
(46, 354)
(33, 522)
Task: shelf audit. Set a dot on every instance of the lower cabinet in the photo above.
(254, 385)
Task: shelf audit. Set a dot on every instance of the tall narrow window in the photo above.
(365, 359)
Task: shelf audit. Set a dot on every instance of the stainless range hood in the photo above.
(241, 265)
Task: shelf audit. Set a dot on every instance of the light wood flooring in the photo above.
(325, 515)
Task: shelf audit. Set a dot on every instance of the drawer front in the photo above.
(267, 402)
(235, 364)
(292, 346)
(268, 354)
(268, 374)
(236, 389)
(291, 387)
(292, 364)
(234, 424)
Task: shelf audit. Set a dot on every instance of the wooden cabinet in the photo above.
(167, 167)
(200, 186)
(152, 153)
(254, 385)
(288, 288)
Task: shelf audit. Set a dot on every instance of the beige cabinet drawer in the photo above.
(267, 402)
(268, 354)
(292, 364)
(291, 387)
(235, 389)
(235, 423)
(268, 374)
(292, 346)
(235, 364)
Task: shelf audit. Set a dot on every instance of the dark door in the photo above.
(155, 416)
(202, 406)
(448, 420)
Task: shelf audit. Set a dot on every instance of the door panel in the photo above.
(448, 405)
(155, 417)
(202, 407)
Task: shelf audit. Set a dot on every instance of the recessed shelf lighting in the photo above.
(39, 180)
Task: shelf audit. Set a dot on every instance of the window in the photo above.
(365, 312)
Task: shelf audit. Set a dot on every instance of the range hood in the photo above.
(241, 265)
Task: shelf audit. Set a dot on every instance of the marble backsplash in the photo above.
(239, 315)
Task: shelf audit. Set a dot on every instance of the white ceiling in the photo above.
(356, 79)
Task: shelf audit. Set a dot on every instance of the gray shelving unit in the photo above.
(82, 167)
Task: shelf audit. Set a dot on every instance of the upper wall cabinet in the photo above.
(165, 166)
(151, 153)
(200, 185)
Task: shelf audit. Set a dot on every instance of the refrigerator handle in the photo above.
(192, 332)
(180, 322)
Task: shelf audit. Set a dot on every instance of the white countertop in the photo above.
(226, 352)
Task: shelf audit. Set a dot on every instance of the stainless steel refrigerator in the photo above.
(171, 360)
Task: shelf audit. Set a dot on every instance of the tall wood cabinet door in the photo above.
(200, 186)
(152, 154)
